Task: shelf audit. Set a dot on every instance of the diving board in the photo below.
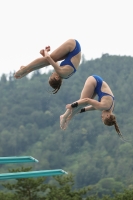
(32, 174)
(17, 159)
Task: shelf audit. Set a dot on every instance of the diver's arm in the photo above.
(84, 102)
(57, 68)
(87, 108)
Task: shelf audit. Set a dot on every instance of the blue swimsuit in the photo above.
(98, 91)
(67, 60)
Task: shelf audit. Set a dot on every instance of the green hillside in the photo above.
(29, 125)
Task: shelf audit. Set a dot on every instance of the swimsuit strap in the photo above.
(106, 94)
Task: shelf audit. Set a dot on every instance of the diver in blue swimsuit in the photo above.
(93, 86)
(70, 55)
(68, 61)
(98, 91)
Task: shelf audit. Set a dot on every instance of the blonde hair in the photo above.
(111, 121)
(56, 84)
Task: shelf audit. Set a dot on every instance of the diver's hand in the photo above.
(42, 52)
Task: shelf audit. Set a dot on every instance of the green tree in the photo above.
(61, 188)
(64, 189)
(27, 188)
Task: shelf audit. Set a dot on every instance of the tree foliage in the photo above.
(29, 125)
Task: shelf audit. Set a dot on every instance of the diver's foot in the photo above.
(62, 122)
(66, 124)
(23, 71)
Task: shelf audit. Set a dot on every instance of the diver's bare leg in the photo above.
(59, 54)
(36, 64)
(67, 116)
(64, 117)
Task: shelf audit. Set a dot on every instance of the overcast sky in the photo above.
(26, 26)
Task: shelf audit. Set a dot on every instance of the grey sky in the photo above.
(101, 26)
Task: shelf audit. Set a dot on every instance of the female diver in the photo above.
(69, 52)
(93, 86)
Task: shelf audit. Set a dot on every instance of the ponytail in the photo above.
(112, 122)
